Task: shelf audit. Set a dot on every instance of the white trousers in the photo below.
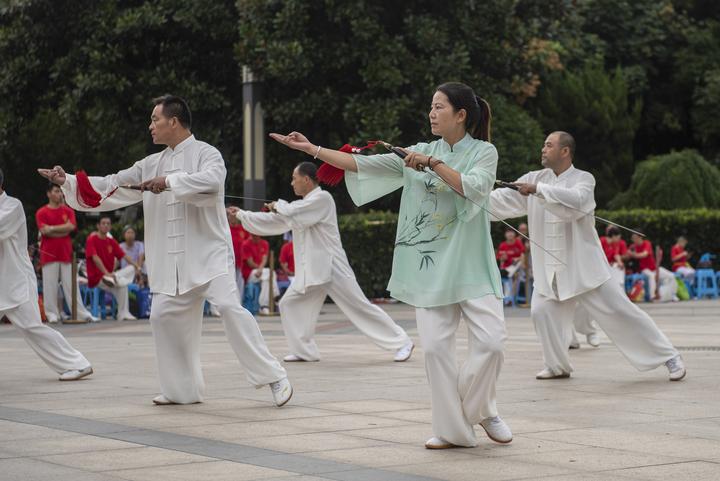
(464, 396)
(631, 329)
(47, 343)
(124, 277)
(53, 273)
(617, 274)
(177, 326)
(686, 272)
(299, 314)
(668, 285)
(264, 300)
(582, 323)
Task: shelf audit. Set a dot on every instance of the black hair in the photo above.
(479, 116)
(613, 231)
(566, 140)
(104, 216)
(51, 186)
(174, 106)
(308, 169)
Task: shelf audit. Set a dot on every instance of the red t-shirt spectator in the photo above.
(513, 251)
(647, 262)
(613, 249)
(288, 256)
(238, 235)
(680, 261)
(255, 251)
(55, 249)
(107, 250)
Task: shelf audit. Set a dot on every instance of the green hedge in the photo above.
(368, 238)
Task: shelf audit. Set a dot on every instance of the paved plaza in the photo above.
(356, 415)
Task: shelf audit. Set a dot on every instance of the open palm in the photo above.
(294, 140)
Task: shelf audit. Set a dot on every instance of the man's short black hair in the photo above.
(51, 186)
(104, 216)
(308, 169)
(174, 106)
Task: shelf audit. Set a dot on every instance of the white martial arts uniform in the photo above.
(189, 259)
(62, 271)
(321, 269)
(18, 296)
(578, 272)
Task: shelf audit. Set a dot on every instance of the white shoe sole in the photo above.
(406, 357)
(288, 398)
(496, 440)
(79, 376)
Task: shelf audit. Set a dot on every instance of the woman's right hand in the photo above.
(295, 140)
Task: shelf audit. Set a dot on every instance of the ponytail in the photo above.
(479, 116)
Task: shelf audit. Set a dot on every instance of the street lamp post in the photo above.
(253, 141)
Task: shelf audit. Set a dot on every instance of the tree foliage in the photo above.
(679, 180)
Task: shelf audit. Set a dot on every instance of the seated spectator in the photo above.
(287, 258)
(256, 251)
(680, 259)
(510, 253)
(642, 250)
(101, 251)
(135, 249)
(616, 252)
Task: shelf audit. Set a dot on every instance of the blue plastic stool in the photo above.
(96, 299)
(706, 284)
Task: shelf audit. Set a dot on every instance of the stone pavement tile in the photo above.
(415, 434)
(297, 478)
(688, 471)
(707, 428)
(311, 442)
(164, 418)
(269, 413)
(414, 415)
(72, 444)
(372, 405)
(640, 442)
(213, 470)
(519, 445)
(26, 469)
(238, 431)
(592, 459)
(13, 431)
(118, 459)
(481, 468)
(343, 422)
(392, 455)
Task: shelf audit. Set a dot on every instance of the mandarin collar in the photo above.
(460, 146)
(181, 146)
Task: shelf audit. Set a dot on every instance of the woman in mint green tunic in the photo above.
(444, 261)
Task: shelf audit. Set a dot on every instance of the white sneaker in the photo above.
(548, 374)
(294, 358)
(265, 311)
(404, 353)
(497, 430)
(52, 320)
(161, 400)
(108, 280)
(92, 318)
(282, 391)
(75, 374)
(127, 317)
(214, 312)
(676, 367)
(438, 443)
(593, 339)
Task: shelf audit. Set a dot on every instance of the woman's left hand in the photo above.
(416, 161)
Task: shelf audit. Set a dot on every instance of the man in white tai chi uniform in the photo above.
(19, 298)
(559, 202)
(321, 269)
(189, 254)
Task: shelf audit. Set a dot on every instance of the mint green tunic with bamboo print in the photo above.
(443, 250)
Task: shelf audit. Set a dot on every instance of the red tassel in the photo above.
(331, 175)
(86, 194)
